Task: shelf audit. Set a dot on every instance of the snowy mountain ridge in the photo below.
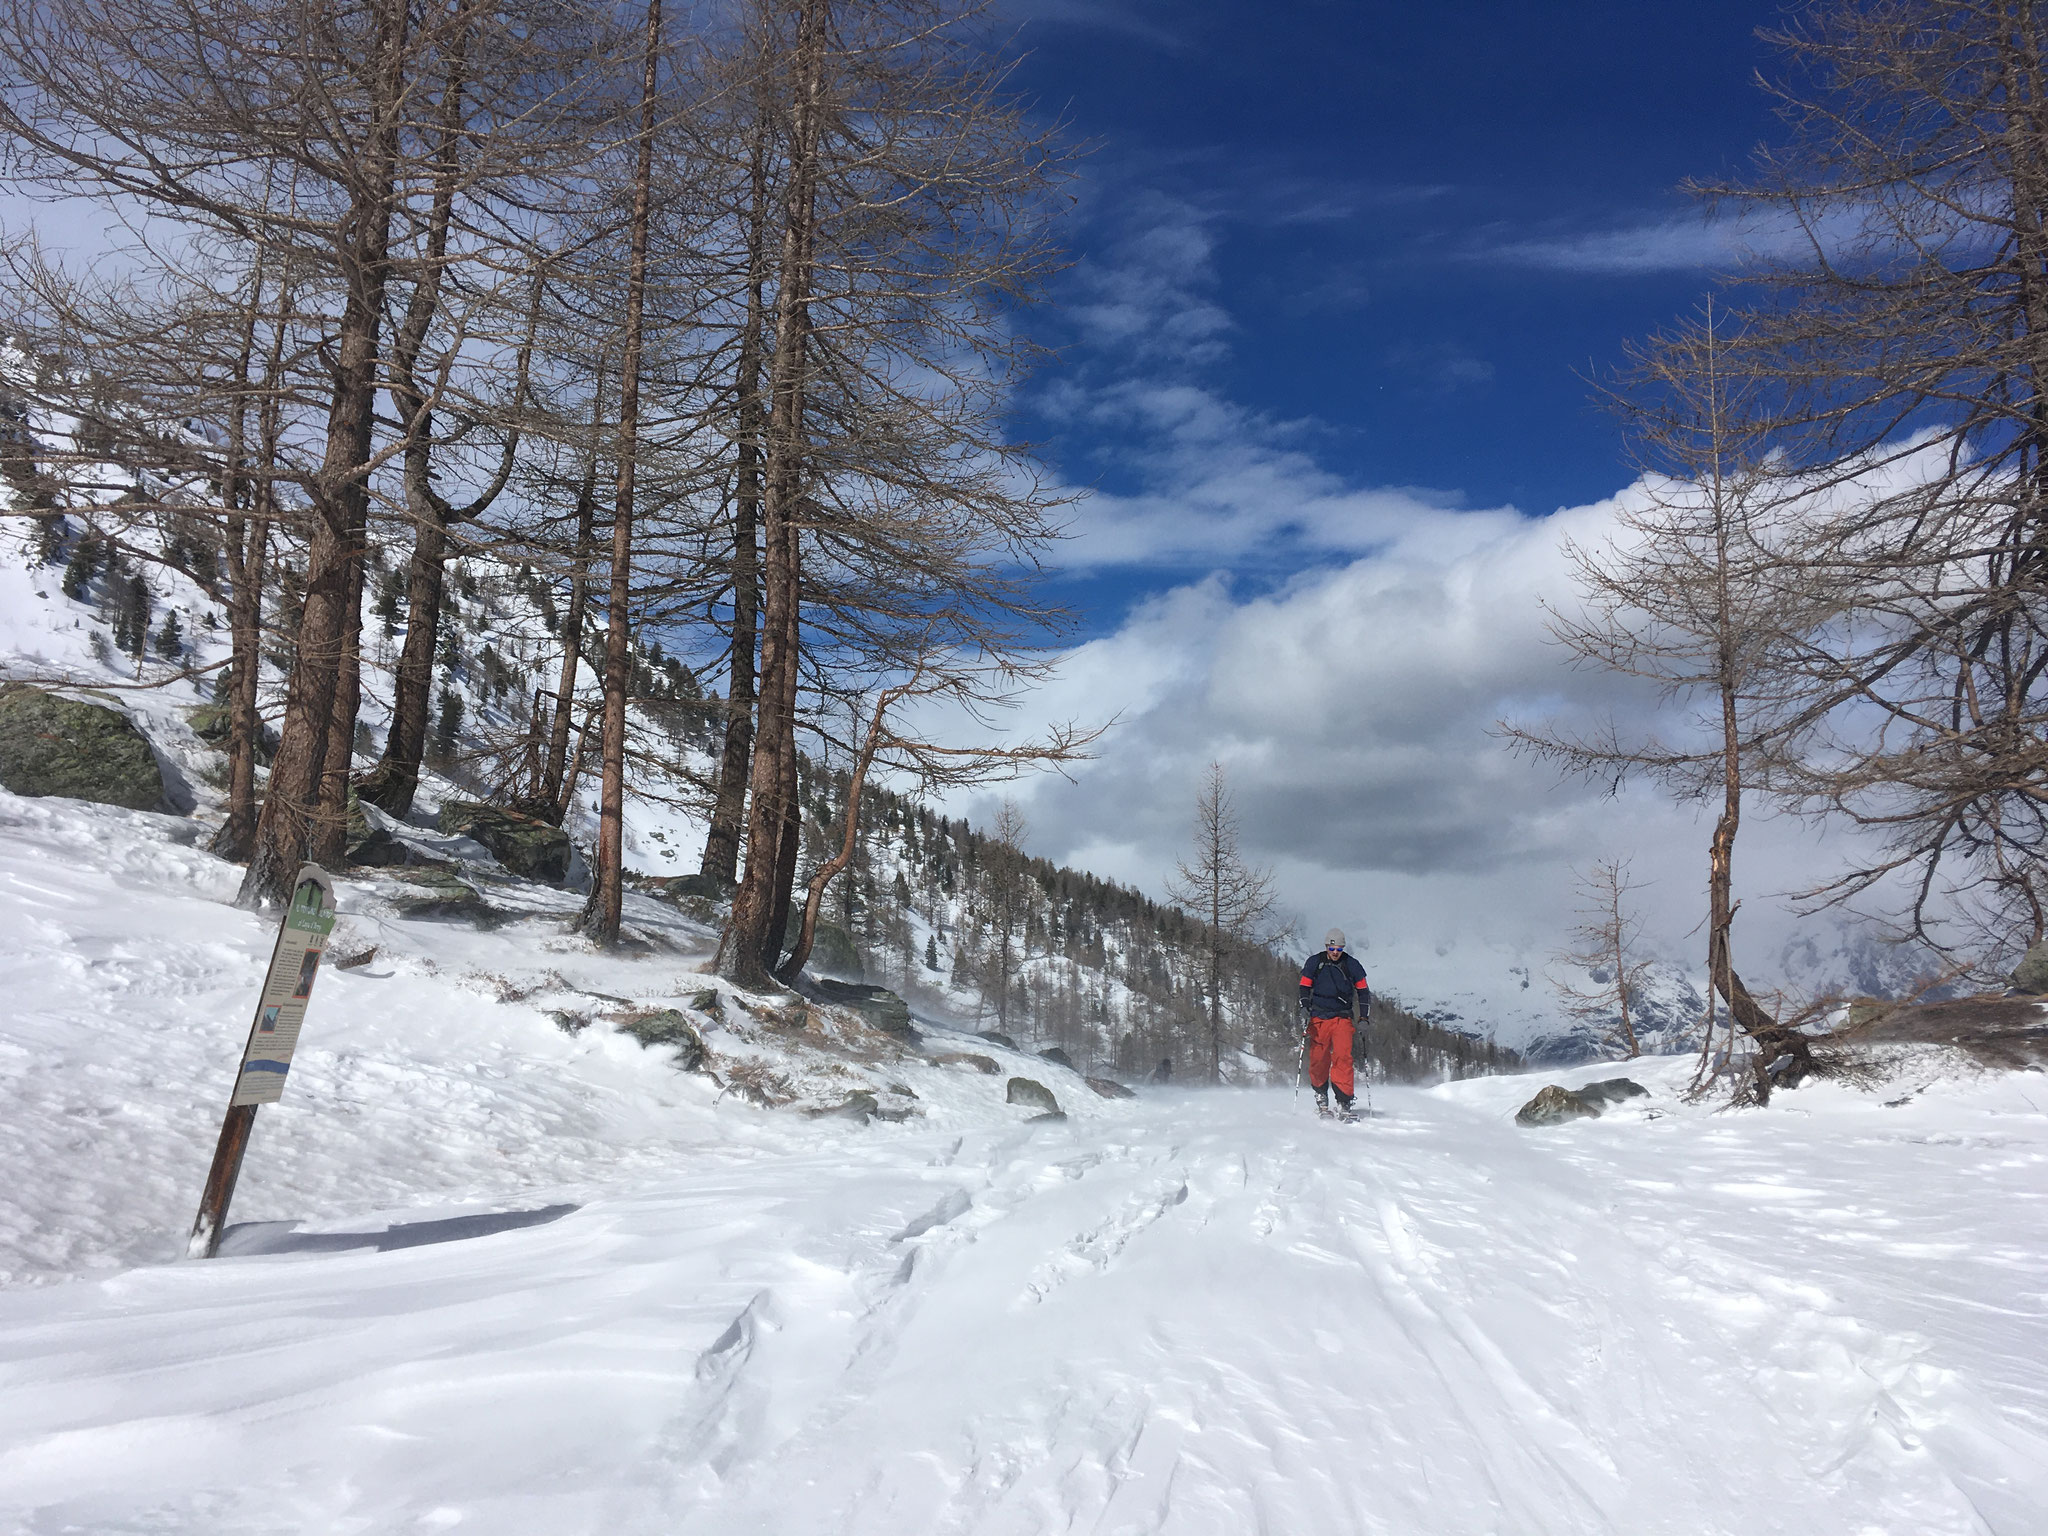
(1511, 996)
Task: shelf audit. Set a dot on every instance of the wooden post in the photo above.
(220, 1181)
(267, 1056)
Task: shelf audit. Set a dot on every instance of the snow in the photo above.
(488, 1276)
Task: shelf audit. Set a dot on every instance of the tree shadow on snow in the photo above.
(258, 1237)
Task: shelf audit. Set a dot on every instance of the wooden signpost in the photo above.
(273, 1036)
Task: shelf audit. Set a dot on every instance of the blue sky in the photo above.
(1341, 273)
(1390, 239)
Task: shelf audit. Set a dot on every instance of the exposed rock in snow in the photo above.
(52, 745)
(1554, 1106)
(526, 845)
(1032, 1094)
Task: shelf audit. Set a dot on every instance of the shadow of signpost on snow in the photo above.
(264, 1237)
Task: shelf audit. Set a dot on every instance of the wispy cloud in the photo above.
(1147, 298)
(1119, 16)
(1224, 486)
(1439, 368)
(1680, 242)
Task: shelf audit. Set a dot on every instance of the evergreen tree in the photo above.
(447, 725)
(51, 532)
(83, 565)
(139, 606)
(389, 594)
(170, 642)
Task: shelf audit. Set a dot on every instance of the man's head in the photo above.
(1333, 942)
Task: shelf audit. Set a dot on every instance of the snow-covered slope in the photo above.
(1511, 997)
(453, 1064)
(498, 1267)
(1510, 993)
(511, 1281)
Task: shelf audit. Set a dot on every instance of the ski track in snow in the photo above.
(1190, 1313)
(1209, 1318)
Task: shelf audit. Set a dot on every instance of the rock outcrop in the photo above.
(441, 895)
(2031, 974)
(1033, 1095)
(877, 1005)
(525, 845)
(665, 1026)
(1554, 1106)
(51, 745)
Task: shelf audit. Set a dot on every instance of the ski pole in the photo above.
(1301, 1063)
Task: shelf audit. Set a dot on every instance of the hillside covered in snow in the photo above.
(513, 1255)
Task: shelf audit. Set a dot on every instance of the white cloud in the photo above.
(1682, 243)
(1148, 297)
(1354, 708)
(1224, 485)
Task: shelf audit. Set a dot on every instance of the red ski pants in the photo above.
(1329, 1055)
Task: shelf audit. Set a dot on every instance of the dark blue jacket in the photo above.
(1327, 986)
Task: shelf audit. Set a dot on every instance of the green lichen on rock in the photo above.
(1554, 1106)
(1033, 1094)
(57, 746)
(526, 845)
(2031, 974)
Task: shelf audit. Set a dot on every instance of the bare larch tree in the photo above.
(1232, 899)
(1605, 945)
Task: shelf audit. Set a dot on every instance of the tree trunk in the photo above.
(340, 504)
(814, 899)
(555, 789)
(393, 782)
(722, 842)
(248, 542)
(750, 937)
(1774, 1043)
(329, 835)
(395, 779)
(789, 847)
(601, 913)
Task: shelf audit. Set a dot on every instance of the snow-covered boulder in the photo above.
(2031, 974)
(1554, 1106)
(525, 845)
(1612, 1090)
(877, 1006)
(667, 1026)
(1033, 1095)
(51, 745)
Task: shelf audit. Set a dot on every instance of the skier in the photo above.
(1333, 994)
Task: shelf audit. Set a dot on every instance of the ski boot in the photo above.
(1323, 1110)
(1346, 1114)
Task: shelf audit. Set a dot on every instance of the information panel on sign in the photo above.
(287, 987)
